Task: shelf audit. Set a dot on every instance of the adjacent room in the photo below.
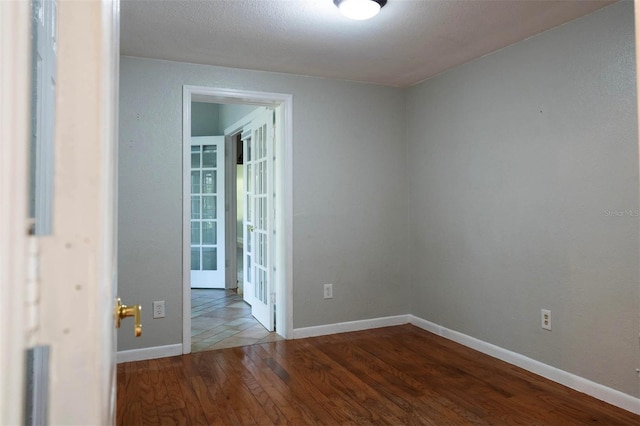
(462, 177)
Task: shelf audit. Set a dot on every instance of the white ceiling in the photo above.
(409, 41)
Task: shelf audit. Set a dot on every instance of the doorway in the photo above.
(224, 213)
(256, 257)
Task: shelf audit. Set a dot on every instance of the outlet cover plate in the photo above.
(545, 319)
(158, 309)
(328, 291)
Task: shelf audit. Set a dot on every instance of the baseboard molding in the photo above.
(343, 327)
(596, 390)
(149, 353)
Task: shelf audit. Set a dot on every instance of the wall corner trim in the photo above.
(149, 353)
(343, 327)
(580, 384)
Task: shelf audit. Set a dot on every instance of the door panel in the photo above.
(76, 304)
(258, 253)
(247, 237)
(207, 212)
(14, 128)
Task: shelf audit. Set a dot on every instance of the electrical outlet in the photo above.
(328, 291)
(545, 318)
(158, 309)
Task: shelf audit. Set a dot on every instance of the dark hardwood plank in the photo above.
(394, 375)
(380, 408)
(324, 405)
(275, 381)
(142, 391)
(397, 386)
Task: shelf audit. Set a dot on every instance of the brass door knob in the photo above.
(250, 228)
(123, 311)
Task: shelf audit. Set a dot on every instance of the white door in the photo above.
(73, 312)
(258, 233)
(207, 212)
(14, 136)
(247, 232)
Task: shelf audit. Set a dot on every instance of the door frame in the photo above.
(283, 169)
(15, 71)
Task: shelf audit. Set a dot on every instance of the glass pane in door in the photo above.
(195, 207)
(195, 232)
(208, 207)
(209, 258)
(195, 182)
(209, 235)
(195, 259)
(209, 182)
(209, 156)
(195, 157)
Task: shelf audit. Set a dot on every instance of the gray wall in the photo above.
(521, 165)
(349, 194)
(205, 119)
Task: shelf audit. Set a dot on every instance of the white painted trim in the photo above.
(284, 208)
(284, 211)
(15, 55)
(154, 352)
(344, 327)
(186, 213)
(596, 390)
(233, 96)
(109, 208)
(230, 213)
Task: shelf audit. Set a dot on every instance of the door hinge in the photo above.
(32, 296)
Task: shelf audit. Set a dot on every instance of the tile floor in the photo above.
(221, 319)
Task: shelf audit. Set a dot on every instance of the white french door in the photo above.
(207, 212)
(258, 212)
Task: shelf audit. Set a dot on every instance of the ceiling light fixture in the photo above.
(360, 9)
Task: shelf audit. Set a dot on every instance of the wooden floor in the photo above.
(396, 375)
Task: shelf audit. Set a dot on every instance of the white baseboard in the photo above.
(596, 390)
(343, 327)
(149, 353)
